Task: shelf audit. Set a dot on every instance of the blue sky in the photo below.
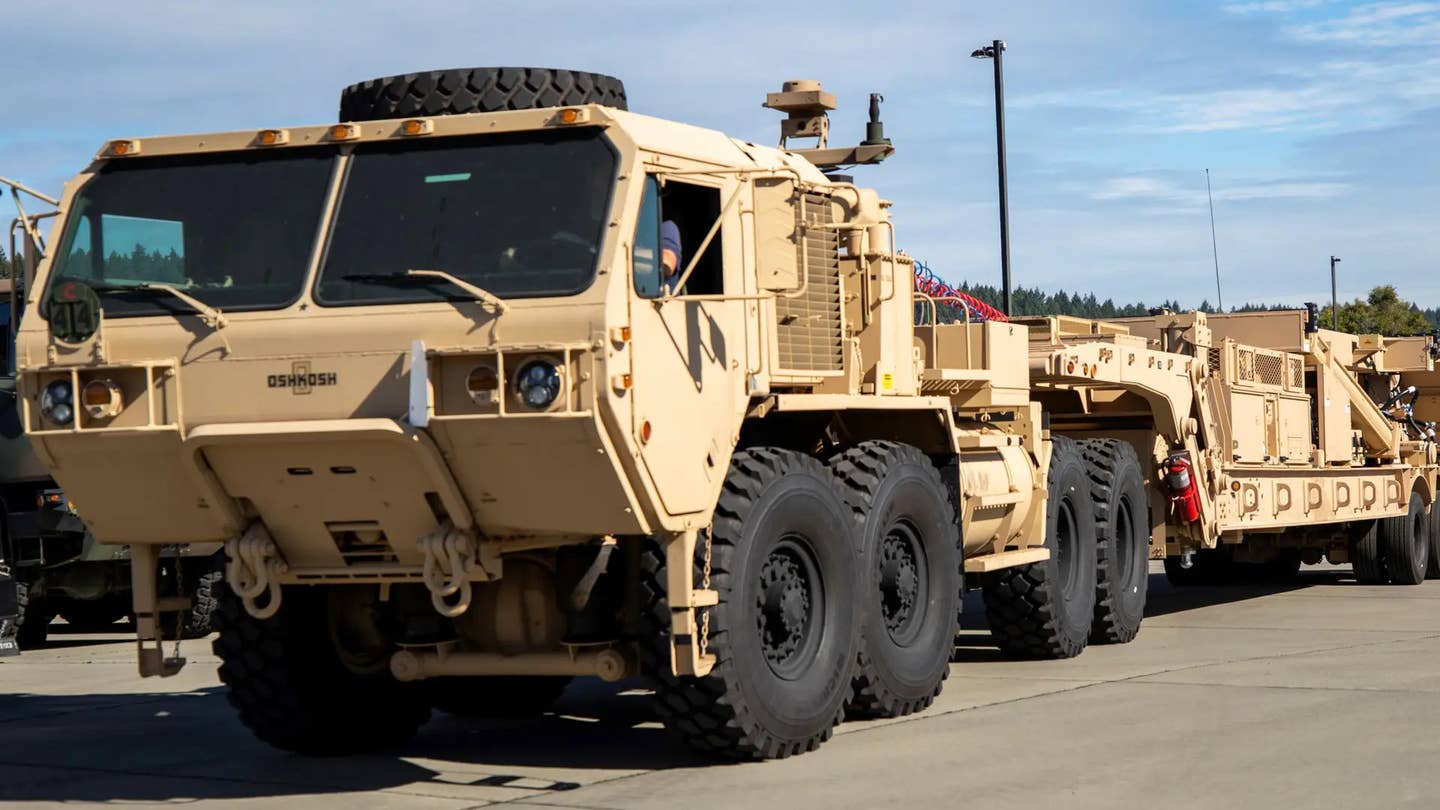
(1317, 118)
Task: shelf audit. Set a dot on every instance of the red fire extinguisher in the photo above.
(1181, 483)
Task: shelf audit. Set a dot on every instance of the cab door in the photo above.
(688, 348)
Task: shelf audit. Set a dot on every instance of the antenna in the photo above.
(1214, 245)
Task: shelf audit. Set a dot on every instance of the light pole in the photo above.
(995, 52)
(1334, 297)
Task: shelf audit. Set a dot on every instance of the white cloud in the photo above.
(1144, 188)
(1274, 6)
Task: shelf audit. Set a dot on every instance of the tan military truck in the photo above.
(495, 384)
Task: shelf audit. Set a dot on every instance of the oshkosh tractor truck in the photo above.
(495, 384)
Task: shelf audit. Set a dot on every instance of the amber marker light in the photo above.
(483, 384)
(344, 132)
(572, 116)
(645, 432)
(123, 148)
(273, 137)
(101, 398)
(417, 126)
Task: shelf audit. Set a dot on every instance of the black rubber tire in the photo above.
(477, 90)
(1432, 568)
(95, 615)
(290, 689)
(495, 697)
(950, 474)
(205, 597)
(1122, 550)
(1045, 609)
(907, 532)
(33, 624)
(743, 709)
(1405, 544)
(1365, 553)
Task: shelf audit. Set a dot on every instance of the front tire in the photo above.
(1045, 609)
(909, 543)
(287, 680)
(786, 630)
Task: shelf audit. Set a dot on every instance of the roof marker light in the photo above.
(273, 137)
(122, 148)
(344, 132)
(417, 126)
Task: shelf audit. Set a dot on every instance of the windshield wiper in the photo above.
(480, 294)
(210, 315)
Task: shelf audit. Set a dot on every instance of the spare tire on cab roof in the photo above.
(477, 90)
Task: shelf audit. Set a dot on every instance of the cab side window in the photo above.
(645, 258)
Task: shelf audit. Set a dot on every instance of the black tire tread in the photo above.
(1398, 548)
(1019, 603)
(861, 469)
(1104, 458)
(285, 681)
(1365, 554)
(475, 90)
(700, 711)
(31, 634)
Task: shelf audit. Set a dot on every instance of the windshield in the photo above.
(517, 215)
(234, 230)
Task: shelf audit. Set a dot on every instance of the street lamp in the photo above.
(995, 51)
(1334, 298)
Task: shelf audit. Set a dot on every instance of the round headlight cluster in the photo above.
(538, 383)
(57, 402)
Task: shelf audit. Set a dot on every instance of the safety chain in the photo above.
(179, 591)
(449, 557)
(705, 584)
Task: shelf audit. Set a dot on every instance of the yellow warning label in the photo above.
(887, 381)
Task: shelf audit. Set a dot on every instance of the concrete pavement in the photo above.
(1322, 695)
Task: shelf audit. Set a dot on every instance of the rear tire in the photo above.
(786, 631)
(911, 578)
(1365, 556)
(1045, 609)
(1405, 543)
(1122, 553)
(1432, 568)
(288, 683)
(495, 697)
(477, 90)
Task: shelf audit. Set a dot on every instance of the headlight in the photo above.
(57, 402)
(538, 383)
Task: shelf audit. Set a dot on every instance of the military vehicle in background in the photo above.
(56, 565)
(473, 421)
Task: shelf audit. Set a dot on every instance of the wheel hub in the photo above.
(783, 607)
(899, 581)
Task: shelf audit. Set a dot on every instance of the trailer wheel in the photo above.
(1122, 518)
(908, 542)
(1432, 568)
(497, 696)
(287, 680)
(1045, 609)
(786, 631)
(1365, 555)
(1405, 543)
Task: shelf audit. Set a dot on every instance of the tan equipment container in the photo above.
(495, 384)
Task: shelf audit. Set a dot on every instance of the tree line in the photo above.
(1383, 311)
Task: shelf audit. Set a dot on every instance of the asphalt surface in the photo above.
(1326, 694)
